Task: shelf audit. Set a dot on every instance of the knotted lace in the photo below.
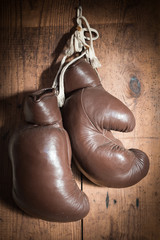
(77, 45)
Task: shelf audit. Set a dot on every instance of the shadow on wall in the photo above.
(48, 75)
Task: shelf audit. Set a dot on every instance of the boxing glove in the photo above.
(40, 153)
(89, 115)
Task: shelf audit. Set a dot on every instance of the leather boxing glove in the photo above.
(43, 183)
(89, 115)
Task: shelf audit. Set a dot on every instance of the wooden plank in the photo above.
(26, 65)
(38, 13)
(128, 49)
(43, 13)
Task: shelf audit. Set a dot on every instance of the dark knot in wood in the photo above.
(135, 86)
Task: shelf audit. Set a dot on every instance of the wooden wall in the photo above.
(33, 33)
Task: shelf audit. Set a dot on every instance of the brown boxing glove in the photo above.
(43, 183)
(89, 115)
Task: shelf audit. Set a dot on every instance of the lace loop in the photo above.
(77, 44)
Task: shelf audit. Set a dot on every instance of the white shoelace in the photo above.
(77, 45)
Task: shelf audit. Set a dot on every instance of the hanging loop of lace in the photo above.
(77, 44)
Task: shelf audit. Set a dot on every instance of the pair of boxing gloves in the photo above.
(40, 152)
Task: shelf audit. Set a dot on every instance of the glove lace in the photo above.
(77, 45)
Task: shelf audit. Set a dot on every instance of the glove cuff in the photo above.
(80, 75)
(41, 107)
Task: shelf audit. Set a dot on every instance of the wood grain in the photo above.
(32, 37)
(129, 51)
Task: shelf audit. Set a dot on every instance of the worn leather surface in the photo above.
(89, 115)
(40, 152)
